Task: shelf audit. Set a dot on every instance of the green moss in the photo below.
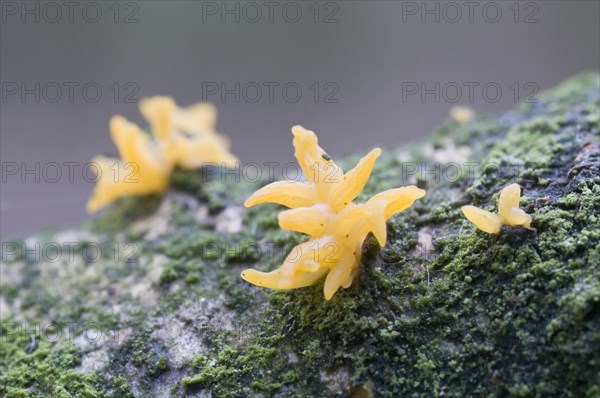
(121, 216)
(120, 388)
(513, 314)
(32, 366)
(231, 372)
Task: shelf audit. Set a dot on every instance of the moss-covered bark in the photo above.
(442, 310)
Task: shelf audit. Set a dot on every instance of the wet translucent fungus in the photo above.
(321, 207)
(509, 212)
(180, 137)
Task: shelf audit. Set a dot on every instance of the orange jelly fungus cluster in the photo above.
(183, 137)
(322, 208)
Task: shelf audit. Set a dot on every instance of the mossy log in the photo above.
(146, 300)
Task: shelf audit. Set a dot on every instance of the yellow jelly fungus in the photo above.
(461, 114)
(322, 208)
(187, 135)
(143, 169)
(183, 137)
(509, 212)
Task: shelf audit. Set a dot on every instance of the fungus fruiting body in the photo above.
(461, 114)
(187, 135)
(322, 208)
(509, 212)
(183, 137)
(143, 168)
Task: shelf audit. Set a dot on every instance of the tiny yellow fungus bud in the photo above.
(461, 114)
(509, 212)
(484, 220)
(508, 207)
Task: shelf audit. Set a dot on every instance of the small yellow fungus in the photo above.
(183, 137)
(461, 114)
(322, 208)
(509, 212)
(187, 135)
(143, 169)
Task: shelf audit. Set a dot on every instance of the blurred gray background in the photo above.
(352, 60)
